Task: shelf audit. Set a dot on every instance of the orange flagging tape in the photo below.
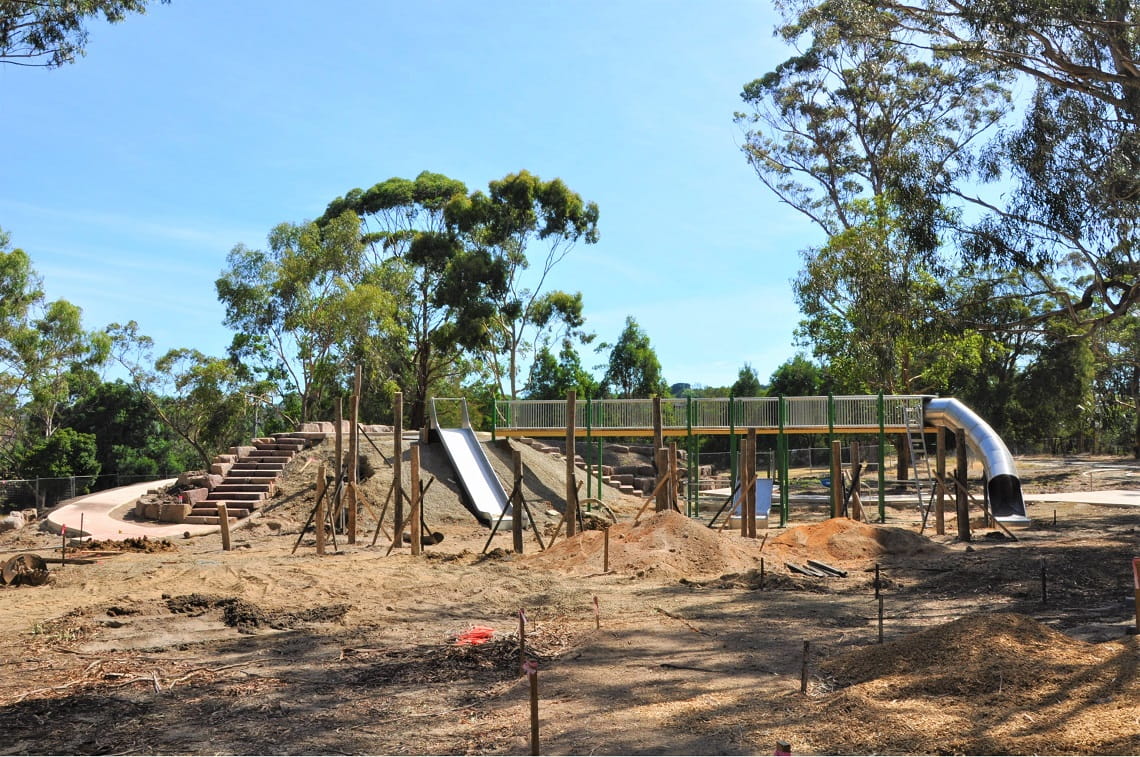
(475, 635)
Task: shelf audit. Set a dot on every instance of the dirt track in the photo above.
(697, 653)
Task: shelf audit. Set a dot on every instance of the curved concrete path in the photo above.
(102, 516)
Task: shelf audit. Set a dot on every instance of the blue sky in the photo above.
(131, 174)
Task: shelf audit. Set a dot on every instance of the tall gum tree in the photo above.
(518, 214)
(445, 289)
(863, 137)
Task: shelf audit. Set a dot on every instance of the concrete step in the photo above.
(295, 445)
(232, 504)
(254, 478)
(267, 456)
(246, 466)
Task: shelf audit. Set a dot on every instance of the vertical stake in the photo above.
(571, 452)
(606, 549)
(319, 516)
(224, 520)
(877, 584)
(516, 502)
(63, 546)
(761, 574)
(804, 668)
(597, 614)
(82, 533)
(397, 469)
(522, 640)
(415, 520)
(531, 669)
(880, 618)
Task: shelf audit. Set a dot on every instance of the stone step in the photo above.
(233, 504)
(250, 467)
(254, 478)
(261, 486)
(283, 447)
(626, 488)
(206, 520)
(217, 496)
(207, 512)
(267, 456)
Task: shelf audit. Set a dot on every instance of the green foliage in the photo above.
(67, 452)
(747, 383)
(634, 370)
(302, 307)
(551, 378)
(51, 33)
(129, 436)
(797, 377)
(518, 212)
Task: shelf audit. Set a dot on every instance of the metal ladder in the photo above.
(916, 442)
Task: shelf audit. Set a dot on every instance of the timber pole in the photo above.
(398, 469)
(571, 447)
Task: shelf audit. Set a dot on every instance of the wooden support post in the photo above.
(417, 533)
(661, 458)
(674, 472)
(354, 457)
(516, 502)
(319, 516)
(658, 427)
(940, 484)
(338, 487)
(963, 501)
(398, 469)
(531, 669)
(836, 479)
(750, 491)
(856, 502)
(606, 556)
(224, 520)
(571, 447)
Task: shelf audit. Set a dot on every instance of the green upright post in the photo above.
(882, 459)
(600, 469)
(689, 444)
(589, 437)
(830, 419)
(732, 471)
(494, 413)
(782, 453)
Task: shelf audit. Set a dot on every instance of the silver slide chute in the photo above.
(1002, 484)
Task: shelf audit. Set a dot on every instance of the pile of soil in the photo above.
(848, 541)
(131, 544)
(664, 545)
(992, 684)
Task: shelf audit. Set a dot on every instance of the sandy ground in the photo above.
(696, 646)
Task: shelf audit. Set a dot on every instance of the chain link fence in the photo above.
(44, 493)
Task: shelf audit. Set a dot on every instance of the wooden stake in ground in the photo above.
(750, 492)
(571, 490)
(530, 667)
(354, 456)
(224, 520)
(836, 478)
(963, 502)
(804, 668)
(675, 489)
(522, 640)
(319, 517)
(856, 467)
(398, 469)
(417, 532)
(664, 479)
(516, 502)
(338, 466)
(597, 614)
(606, 550)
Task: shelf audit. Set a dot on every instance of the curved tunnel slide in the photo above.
(1003, 487)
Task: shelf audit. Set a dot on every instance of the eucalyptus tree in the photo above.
(517, 214)
(1068, 223)
(633, 370)
(443, 287)
(299, 306)
(52, 33)
(863, 135)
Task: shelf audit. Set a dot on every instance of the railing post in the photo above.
(494, 414)
(589, 438)
(882, 460)
(733, 469)
(830, 420)
(782, 453)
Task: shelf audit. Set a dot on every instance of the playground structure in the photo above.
(914, 416)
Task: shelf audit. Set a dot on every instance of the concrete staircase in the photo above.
(623, 482)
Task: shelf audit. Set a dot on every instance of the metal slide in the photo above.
(485, 494)
(1002, 484)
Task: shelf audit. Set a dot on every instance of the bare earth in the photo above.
(695, 648)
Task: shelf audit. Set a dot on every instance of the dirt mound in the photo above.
(665, 544)
(130, 544)
(974, 655)
(844, 540)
